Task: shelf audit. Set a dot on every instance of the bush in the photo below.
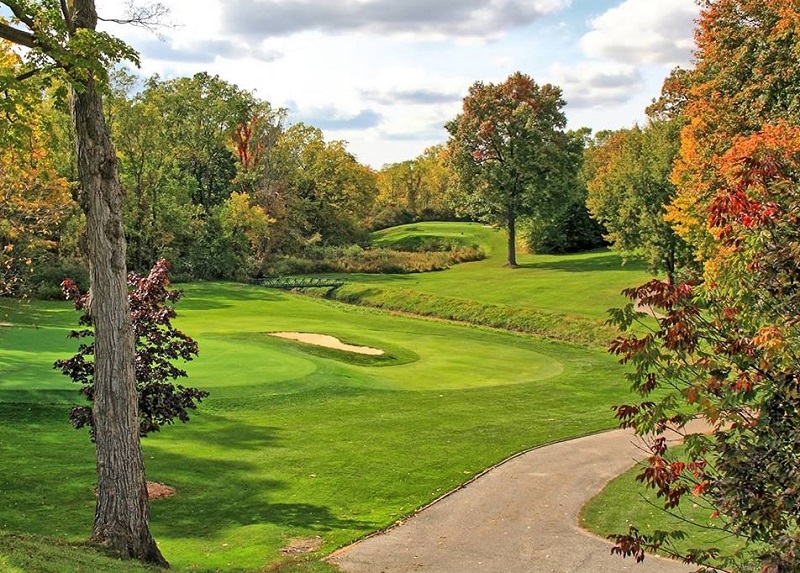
(48, 274)
(354, 259)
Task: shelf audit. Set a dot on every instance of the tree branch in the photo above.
(19, 13)
(17, 36)
(29, 74)
(148, 16)
(67, 13)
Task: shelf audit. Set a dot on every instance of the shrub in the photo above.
(354, 259)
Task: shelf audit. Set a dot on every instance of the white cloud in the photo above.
(597, 84)
(385, 75)
(440, 18)
(643, 32)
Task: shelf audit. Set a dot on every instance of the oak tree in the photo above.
(511, 153)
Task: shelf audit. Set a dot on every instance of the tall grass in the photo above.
(551, 326)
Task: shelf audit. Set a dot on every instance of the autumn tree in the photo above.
(34, 198)
(63, 37)
(727, 350)
(511, 153)
(415, 190)
(727, 346)
(329, 193)
(747, 74)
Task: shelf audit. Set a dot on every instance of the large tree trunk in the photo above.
(122, 512)
(511, 227)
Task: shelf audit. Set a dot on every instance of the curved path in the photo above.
(520, 517)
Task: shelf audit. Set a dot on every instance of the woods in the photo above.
(104, 171)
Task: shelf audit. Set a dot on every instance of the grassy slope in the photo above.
(295, 442)
(583, 284)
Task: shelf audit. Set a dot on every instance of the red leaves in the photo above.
(158, 344)
(632, 545)
(665, 478)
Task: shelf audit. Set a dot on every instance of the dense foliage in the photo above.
(629, 188)
(511, 153)
(726, 344)
(214, 179)
(158, 345)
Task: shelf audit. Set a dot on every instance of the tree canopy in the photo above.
(629, 189)
(726, 348)
(511, 153)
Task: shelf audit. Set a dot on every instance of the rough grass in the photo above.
(33, 554)
(549, 325)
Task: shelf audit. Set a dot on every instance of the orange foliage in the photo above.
(747, 75)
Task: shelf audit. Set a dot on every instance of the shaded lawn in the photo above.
(292, 444)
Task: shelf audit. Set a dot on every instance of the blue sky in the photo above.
(385, 75)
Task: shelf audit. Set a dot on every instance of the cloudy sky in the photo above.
(385, 75)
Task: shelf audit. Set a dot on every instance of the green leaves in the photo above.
(510, 151)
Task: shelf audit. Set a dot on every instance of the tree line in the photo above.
(222, 185)
(218, 181)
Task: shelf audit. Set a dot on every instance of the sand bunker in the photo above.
(327, 342)
(5, 325)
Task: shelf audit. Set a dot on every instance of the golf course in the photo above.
(301, 449)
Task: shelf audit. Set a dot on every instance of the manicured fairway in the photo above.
(294, 442)
(583, 284)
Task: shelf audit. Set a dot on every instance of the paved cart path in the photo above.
(521, 517)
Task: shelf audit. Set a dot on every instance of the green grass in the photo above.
(581, 285)
(293, 443)
(563, 298)
(297, 441)
(625, 501)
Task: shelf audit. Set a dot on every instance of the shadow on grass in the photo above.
(219, 470)
(35, 314)
(586, 262)
(218, 492)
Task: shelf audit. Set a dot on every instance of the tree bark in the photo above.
(122, 511)
(511, 227)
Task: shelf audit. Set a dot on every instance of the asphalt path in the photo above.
(520, 517)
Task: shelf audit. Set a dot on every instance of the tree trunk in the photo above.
(122, 513)
(511, 225)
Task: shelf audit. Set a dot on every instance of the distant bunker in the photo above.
(327, 342)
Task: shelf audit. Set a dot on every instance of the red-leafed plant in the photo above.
(727, 350)
(158, 345)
